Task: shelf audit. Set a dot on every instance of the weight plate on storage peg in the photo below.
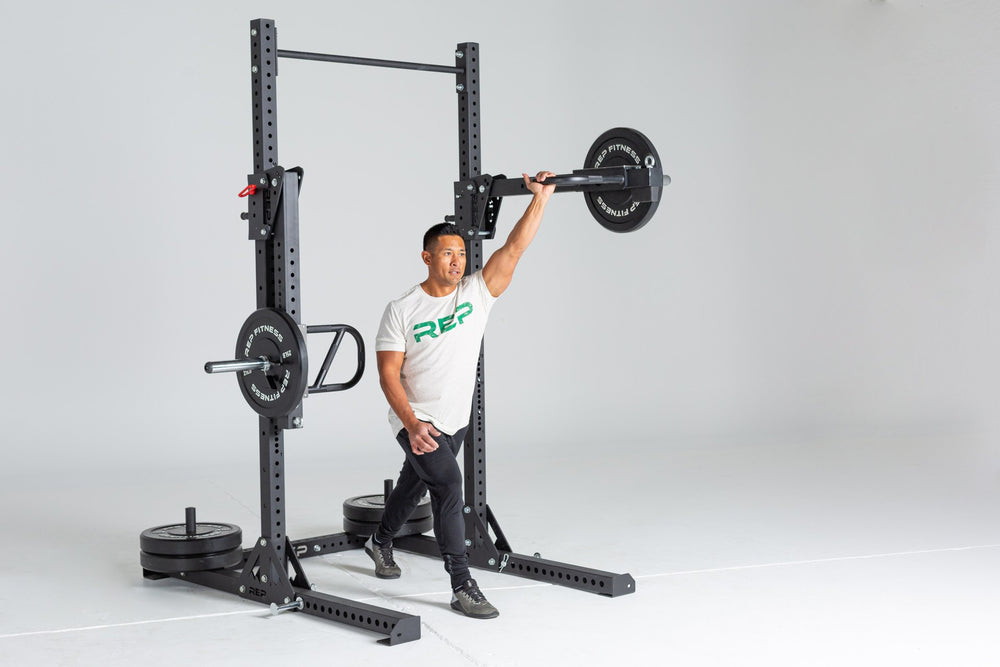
(366, 528)
(370, 508)
(199, 563)
(173, 540)
(273, 335)
(618, 210)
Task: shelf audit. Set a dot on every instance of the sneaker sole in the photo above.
(458, 607)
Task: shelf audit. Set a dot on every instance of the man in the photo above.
(427, 350)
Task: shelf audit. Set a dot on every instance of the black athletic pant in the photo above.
(437, 471)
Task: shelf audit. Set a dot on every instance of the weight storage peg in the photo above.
(191, 546)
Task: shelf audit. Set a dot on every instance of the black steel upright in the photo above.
(469, 168)
(476, 208)
(276, 242)
(271, 572)
(264, 69)
(272, 566)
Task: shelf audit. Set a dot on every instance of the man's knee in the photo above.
(449, 492)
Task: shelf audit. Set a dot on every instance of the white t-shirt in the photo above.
(440, 337)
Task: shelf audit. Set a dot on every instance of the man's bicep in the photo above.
(499, 271)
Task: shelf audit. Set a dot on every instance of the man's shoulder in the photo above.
(475, 285)
(409, 295)
(473, 280)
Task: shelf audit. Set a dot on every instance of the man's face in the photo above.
(446, 260)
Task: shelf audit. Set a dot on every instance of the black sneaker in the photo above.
(470, 601)
(385, 566)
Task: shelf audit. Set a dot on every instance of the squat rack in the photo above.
(271, 571)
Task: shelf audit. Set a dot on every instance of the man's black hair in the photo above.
(440, 229)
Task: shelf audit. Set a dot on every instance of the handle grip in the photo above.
(318, 387)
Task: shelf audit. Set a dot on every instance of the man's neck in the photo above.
(437, 289)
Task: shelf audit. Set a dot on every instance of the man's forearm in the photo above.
(524, 231)
(400, 404)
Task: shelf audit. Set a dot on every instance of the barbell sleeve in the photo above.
(236, 365)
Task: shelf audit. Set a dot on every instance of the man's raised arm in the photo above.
(500, 268)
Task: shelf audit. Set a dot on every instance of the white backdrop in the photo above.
(824, 263)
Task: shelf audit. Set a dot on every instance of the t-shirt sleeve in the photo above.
(484, 291)
(391, 335)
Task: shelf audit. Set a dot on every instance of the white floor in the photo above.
(863, 552)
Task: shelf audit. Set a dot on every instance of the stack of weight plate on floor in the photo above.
(191, 546)
(363, 513)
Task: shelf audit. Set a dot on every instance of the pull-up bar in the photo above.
(373, 62)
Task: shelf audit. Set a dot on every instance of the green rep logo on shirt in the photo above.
(443, 325)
